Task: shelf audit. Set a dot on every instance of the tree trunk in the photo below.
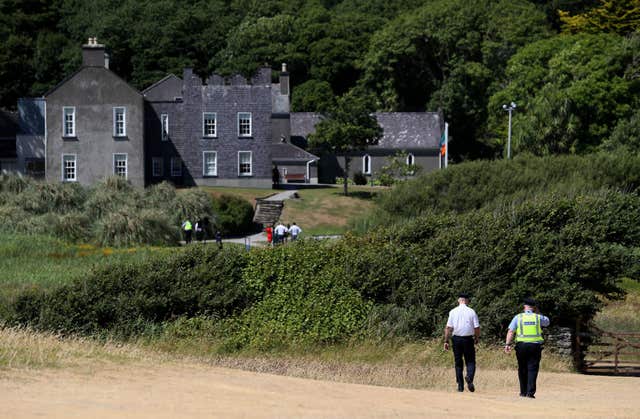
(345, 176)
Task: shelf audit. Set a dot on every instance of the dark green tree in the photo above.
(349, 126)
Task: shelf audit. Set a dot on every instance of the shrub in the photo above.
(359, 178)
(128, 226)
(192, 204)
(127, 298)
(40, 198)
(110, 195)
(233, 215)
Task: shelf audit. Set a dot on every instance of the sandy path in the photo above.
(190, 391)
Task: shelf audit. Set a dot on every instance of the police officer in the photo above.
(527, 328)
(463, 324)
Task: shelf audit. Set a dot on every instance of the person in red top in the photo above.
(269, 231)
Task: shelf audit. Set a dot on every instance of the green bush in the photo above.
(473, 185)
(233, 215)
(127, 298)
(359, 178)
(128, 226)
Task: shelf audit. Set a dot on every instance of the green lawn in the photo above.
(27, 260)
(319, 211)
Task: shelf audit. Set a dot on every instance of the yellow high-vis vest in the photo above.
(529, 328)
(187, 226)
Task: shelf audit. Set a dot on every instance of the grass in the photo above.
(408, 365)
(25, 349)
(622, 316)
(326, 210)
(27, 260)
(319, 211)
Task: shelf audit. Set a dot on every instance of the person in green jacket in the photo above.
(188, 231)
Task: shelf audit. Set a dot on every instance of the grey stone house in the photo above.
(414, 135)
(94, 124)
(223, 132)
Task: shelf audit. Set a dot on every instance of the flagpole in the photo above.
(446, 144)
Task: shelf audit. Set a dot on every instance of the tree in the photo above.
(349, 126)
(397, 169)
(616, 16)
(571, 91)
(450, 55)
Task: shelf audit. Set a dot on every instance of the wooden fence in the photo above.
(610, 353)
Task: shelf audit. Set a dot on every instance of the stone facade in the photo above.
(92, 99)
(185, 107)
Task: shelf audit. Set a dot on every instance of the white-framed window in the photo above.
(176, 166)
(244, 124)
(164, 127)
(69, 168)
(410, 159)
(120, 165)
(209, 163)
(244, 163)
(119, 122)
(209, 124)
(69, 121)
(366, 164)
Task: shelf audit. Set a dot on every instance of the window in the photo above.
(244, 163)
(244, 124)
(119, 122)
(366, 164)
(69, 168)
(156, 167)
(410, 159)
(120, 165)
(209, 124)
(164, 126)
(176, 166)
(209, 163)
(68, 122)
(34, 167)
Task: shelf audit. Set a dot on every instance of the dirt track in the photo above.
(189, 391)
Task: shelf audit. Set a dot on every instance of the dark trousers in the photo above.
(528, 355)
(463, 348)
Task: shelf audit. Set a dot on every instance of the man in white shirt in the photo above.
(281, 232)
(294, 231)
(464, 326)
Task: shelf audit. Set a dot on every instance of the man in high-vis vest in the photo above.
(527, 329)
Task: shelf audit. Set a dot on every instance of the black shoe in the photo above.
(460, 388)
(470, 385)
(531, 396)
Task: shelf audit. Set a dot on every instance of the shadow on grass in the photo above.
(364, 195)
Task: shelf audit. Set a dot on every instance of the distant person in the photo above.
(527, 328)
(275, 177)
(463, 324)
(295, 231)
(269, 231)
(219, 239)
(187, 228)
(199, 230)
(281, 232)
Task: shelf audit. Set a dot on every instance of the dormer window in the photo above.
(164, 122)
(410, 159)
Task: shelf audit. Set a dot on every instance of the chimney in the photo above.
(93, 54)
(284, 80)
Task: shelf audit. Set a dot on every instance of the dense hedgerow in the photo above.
(111, 212)
(234, 215)
(473, 185)
(398, 281)
(124, 299)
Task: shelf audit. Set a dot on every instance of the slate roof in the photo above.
(286, 152)
(401, 130)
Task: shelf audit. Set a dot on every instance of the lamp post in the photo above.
(509, 108)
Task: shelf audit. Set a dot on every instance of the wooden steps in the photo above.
(267, 211)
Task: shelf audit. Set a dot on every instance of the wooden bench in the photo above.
(295, 177)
